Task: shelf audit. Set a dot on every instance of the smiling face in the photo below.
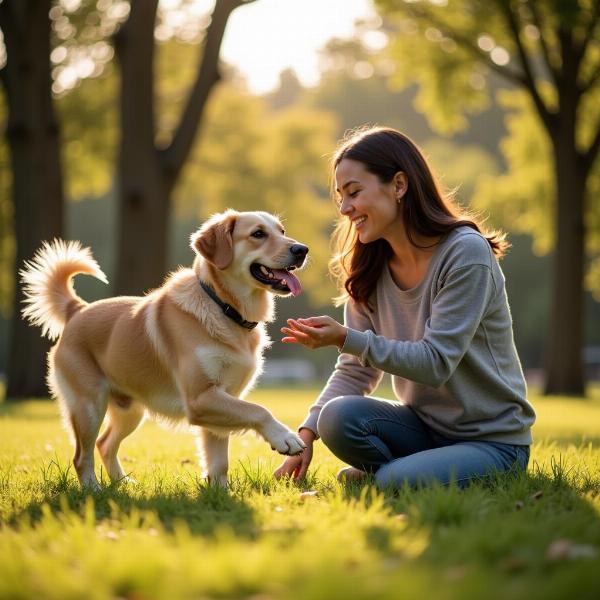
(371, 206)
(252, 248)
(263, 250)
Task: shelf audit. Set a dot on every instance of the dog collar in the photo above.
(227, 309)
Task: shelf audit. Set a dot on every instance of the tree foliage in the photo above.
(549, 51)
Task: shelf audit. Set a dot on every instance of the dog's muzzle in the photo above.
(282, 280)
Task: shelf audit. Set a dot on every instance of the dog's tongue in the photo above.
(291, 280)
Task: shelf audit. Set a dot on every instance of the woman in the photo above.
(424, 301)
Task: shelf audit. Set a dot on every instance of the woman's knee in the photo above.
(335, 418)
(392, 475)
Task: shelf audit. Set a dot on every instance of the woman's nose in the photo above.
(346, 207)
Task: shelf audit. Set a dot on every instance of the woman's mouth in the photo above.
(358, 222)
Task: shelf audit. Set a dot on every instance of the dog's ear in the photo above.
(214, 240)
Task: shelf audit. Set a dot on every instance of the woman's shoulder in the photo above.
(465, 246)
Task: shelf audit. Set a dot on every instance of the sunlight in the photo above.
(268, 36)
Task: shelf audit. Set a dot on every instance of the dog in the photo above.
(188, 351)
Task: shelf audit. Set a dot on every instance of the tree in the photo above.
(33, 136)
(548, 50)
(147, 174)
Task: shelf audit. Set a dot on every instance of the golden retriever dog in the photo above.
(189, 350)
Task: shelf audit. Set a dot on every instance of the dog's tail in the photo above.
(47, 283)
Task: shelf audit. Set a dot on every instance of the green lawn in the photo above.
(535, 536)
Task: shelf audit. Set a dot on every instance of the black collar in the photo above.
(227, 309)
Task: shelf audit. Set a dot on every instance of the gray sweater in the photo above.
(448, 344)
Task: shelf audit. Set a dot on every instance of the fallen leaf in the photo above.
(308, 495)
(558, 550)
(537, 495)
(563, 549)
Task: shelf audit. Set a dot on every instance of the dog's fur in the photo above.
(171, 353)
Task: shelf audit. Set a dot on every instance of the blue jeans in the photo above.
(390, 440)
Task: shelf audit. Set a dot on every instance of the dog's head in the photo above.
(253, 247)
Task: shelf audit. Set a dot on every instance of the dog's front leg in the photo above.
(215, 407)
(214, 456)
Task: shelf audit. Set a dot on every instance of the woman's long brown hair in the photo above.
(426, 211)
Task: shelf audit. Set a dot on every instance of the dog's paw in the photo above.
(288, 443)
(218, 481)
(128, 480)
(91, 486)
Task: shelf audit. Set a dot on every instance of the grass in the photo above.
(531, 536)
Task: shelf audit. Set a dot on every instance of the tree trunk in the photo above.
(33, 137)
(143, 207)
(564, 358)
(146, 174)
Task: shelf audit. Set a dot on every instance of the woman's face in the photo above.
(371, 206)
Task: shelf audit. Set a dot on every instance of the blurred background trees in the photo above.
(431, 69)
(32, 136)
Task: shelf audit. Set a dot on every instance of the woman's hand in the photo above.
(315, 332)
(296, 466)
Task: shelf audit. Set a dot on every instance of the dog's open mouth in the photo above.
(281, 280)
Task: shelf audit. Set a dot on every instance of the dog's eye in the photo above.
(258, 234)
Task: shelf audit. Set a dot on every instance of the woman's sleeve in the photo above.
(349, 377)
(457, 312)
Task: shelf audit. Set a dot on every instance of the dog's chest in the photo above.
(227, 367)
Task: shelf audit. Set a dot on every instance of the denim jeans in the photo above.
(390, 440)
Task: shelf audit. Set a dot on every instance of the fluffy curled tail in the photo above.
(47, 283)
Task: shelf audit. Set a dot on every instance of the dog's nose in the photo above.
(299, 250)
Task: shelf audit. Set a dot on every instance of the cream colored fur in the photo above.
(171, 354)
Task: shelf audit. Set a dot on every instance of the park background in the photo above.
(131, 165)
(126, 124)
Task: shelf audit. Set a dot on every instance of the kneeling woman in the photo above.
(424, 301)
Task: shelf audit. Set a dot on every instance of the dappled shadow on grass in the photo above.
(204, 510)
(517, 524)
(523, 527)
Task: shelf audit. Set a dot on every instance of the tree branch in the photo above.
(529, 82)
(467, 44)
(537, 19)
(589, 34)
(591, 82)
(173, 157)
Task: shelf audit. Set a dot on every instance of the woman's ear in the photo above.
(400, 185)
(214, 240)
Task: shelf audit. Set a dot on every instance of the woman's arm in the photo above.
(457, 312)
(349, 376)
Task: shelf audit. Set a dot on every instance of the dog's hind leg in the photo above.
(124, 416)
(81, 391)
(214, 456)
